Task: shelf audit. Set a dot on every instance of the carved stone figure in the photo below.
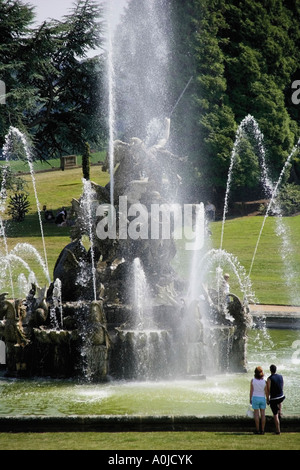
(72, 261)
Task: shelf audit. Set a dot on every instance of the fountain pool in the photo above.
(219, 395)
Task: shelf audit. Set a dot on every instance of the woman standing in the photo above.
(258, 398)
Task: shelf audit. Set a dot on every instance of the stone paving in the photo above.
(277, 316)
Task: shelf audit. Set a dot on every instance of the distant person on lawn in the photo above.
(61, 218)
(49, 216)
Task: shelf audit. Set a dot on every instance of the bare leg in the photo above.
(256, 419)
(263, 420)
(277, 423)
(279, 410)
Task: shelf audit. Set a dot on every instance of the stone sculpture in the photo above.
(91, 332)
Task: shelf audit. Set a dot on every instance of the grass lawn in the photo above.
(275, 273)
(22, 165)
(171, 441)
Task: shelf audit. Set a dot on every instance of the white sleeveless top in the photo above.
(259, 387)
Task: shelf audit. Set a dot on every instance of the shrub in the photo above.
(18, 206)
(289, 199)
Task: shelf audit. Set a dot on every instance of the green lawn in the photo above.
(172, 441)
(22, 165)
(275, 273)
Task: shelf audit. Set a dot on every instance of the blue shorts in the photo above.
(259, 403)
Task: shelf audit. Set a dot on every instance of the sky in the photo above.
(56, 9)
(46, 9)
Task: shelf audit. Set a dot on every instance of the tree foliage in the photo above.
(53, 90)
(244, 57)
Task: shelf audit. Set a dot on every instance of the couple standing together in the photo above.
(266, 392)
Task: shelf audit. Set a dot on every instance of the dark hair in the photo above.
(273, 368)
(258, 373)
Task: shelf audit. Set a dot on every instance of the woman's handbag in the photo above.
(250, 412)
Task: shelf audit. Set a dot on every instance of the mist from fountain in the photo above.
(141, 300)
(17, 256)
(8, 262)
(138, 104)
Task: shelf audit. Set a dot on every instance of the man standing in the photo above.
(275, 395)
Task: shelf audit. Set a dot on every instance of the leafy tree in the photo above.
(60, 83)
(15, 21)
(260, 58)
(213, 120)
(243, 56)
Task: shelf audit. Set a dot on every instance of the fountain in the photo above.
(90, 323)
(120, 310)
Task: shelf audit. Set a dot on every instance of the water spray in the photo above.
(180, 96)
(176, 104)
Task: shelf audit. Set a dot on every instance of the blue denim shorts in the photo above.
(259, 403)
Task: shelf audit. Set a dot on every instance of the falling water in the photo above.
(17, 257)
(3, 234)
(248, 123)
(14, 131)
(272, 201)
(195, 268)
(141, 299)
(232, 161)
(222, 258)
(23, 285)
(146, 346)
(87, 203)
(57, 299)
(25, 249)
(3, 196)
(13, 260)
(12, 257)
